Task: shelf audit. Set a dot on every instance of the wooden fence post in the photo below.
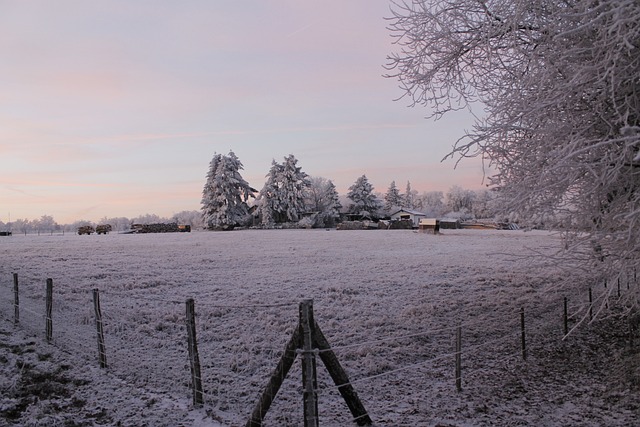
(194, 358)
(16, 300)
(522, 329)
(309, 341)
(340, 378)
(276, 380)
(566, 317)
(102, 354)
(49, 310)
(309, 380)
(459, 359)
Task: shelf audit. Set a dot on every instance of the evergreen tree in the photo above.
(365, 203)
(282, 198)
(410, 197)
(225, 194)
(332, 206)
(270, 198)
(392, 199)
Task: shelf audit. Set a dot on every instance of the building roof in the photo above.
(409, 211)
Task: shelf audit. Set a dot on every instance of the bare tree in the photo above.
(431, 203)
(322, 197)
(458, 199)
(558, 81)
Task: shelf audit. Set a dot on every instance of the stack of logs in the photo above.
(160, 228)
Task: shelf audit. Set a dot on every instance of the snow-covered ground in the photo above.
(389, 303)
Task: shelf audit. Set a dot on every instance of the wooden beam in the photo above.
(276, 380)
(341, 379)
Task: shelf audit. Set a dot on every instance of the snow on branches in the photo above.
(282, 199)
(225, 194)
(365, 203)
(558, 82)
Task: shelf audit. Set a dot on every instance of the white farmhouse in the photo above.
(408, 214)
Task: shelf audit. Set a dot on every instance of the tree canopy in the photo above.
(558, 81)
(322, 198)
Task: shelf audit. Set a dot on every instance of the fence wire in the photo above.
(240, 345)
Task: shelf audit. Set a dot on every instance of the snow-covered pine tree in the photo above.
(270, 197)
(282, 197)
(392, 199)
(365, 203)
(331, 212)
(409, 198)
(225, 195)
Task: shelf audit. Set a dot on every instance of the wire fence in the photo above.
(145, 339)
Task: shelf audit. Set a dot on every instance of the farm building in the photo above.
(450, 223)
(407, 214)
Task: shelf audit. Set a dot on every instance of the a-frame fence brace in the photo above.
(309, 341)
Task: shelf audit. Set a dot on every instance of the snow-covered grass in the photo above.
(388, 302)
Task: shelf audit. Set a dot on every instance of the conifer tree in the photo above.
(332, 207)
(225, 194)
(365, 203)
(282, 199)
(409, 197)
(392, 199)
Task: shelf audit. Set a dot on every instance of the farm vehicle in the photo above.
(103, 228)
(100, 229)
(86, 229)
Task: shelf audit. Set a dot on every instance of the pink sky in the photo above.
(116, 108)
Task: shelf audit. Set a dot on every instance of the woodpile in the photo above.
(358, 225)
(402, 224)
(160, 228)
(350, 225)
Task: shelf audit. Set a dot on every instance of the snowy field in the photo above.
(389, 303)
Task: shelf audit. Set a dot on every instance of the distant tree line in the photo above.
(46, 224)
(291, 197)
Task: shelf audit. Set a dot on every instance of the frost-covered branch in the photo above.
(560, 84)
